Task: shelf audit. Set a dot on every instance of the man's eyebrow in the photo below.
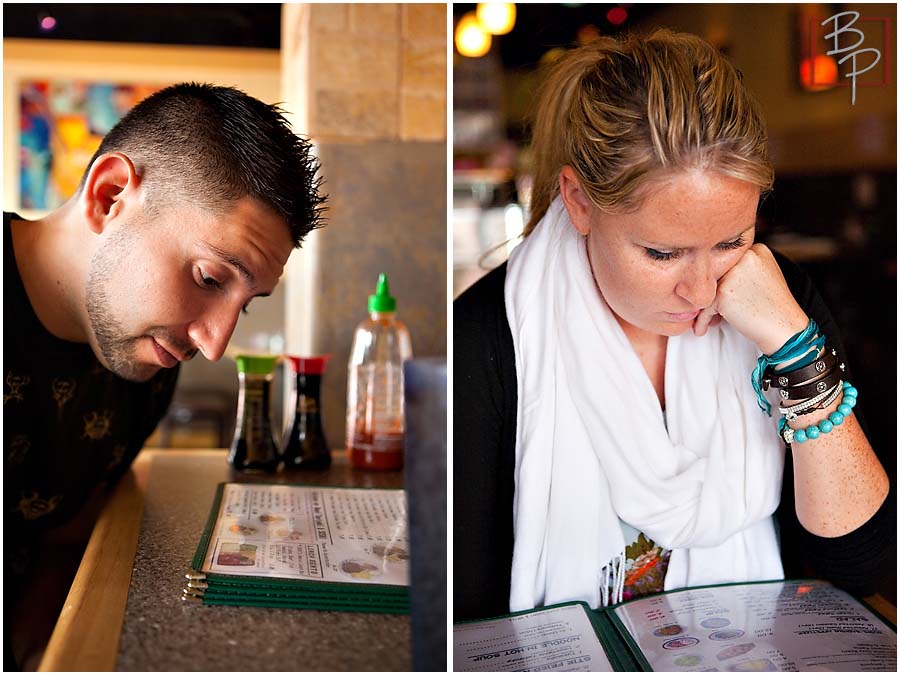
(235, 262)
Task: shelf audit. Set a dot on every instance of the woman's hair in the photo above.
(624, 112)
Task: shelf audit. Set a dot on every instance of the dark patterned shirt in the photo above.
(69, 424)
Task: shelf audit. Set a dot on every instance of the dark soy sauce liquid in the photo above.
(253, 447)
(306, 446)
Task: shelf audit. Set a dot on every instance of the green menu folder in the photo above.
(303, 547)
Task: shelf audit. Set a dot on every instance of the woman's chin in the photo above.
(674, 328)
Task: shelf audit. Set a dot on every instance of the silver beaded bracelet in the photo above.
(822, 400)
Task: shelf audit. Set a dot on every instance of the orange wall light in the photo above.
(818, 73)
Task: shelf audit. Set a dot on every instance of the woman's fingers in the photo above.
(705, 319)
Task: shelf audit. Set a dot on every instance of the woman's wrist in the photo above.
(787, 327)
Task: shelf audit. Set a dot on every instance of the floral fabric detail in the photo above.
(645, 565)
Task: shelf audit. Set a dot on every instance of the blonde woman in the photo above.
(627, 385)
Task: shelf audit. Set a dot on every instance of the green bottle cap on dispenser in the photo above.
(382, 301)
(254, 364)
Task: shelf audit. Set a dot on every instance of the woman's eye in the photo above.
(660, 255)
(729, 245)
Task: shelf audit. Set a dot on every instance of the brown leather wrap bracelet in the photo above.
(818, 368)
(812, 389)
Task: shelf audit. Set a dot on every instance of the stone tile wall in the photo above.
(367, 83)
(374, 71)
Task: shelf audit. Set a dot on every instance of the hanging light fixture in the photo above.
(470, 38)
(497, 18)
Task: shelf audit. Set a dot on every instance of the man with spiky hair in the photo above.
(188, 210)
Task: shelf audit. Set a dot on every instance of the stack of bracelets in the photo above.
(812, 379)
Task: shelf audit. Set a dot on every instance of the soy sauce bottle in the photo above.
(305, 445)
(254, 448)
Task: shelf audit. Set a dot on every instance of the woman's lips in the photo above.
(166, 360)
(684, 316)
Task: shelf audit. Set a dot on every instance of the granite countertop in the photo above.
(162, 632)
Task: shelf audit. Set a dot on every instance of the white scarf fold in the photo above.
(592, 446)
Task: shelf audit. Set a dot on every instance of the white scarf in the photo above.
(592, 446)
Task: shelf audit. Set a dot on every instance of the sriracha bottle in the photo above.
(375, 385)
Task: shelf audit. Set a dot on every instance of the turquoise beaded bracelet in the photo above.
(848, 401)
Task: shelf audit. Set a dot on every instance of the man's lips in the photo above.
(166, 359)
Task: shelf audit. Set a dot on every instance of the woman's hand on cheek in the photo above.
(754, 298)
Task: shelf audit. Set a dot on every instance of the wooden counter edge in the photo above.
(86, 636)
(883, 607)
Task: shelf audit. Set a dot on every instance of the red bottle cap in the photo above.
(309, 365)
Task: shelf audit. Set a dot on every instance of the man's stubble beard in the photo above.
(117, 347)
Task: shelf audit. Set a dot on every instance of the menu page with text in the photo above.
(773, 626)
(311, 533)
(558, 639)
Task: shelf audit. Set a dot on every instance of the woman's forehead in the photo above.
(695, 204)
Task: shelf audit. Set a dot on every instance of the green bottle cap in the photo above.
(255, 364)
(382, 301)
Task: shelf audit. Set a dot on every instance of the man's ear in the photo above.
(110, 181)
(577, 203)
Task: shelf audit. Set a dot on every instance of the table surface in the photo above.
(125, 612)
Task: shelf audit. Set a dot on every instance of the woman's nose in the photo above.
(698, 285)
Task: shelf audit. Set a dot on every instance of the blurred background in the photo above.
(834, 206)
(366, 83)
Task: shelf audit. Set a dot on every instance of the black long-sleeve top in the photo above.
(484, 442)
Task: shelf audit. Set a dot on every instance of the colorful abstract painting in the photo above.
(61, 126)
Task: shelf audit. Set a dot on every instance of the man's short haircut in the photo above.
(209, 146)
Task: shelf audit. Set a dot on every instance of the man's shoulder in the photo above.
(20, 322)
(8, 252)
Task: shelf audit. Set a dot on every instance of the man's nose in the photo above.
(698, 285)
(212, 332)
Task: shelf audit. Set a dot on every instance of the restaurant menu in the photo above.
(769, 626)
(558, 639)
(780, 626)
(310, 533)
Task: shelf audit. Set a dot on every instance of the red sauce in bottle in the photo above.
(379, 452)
